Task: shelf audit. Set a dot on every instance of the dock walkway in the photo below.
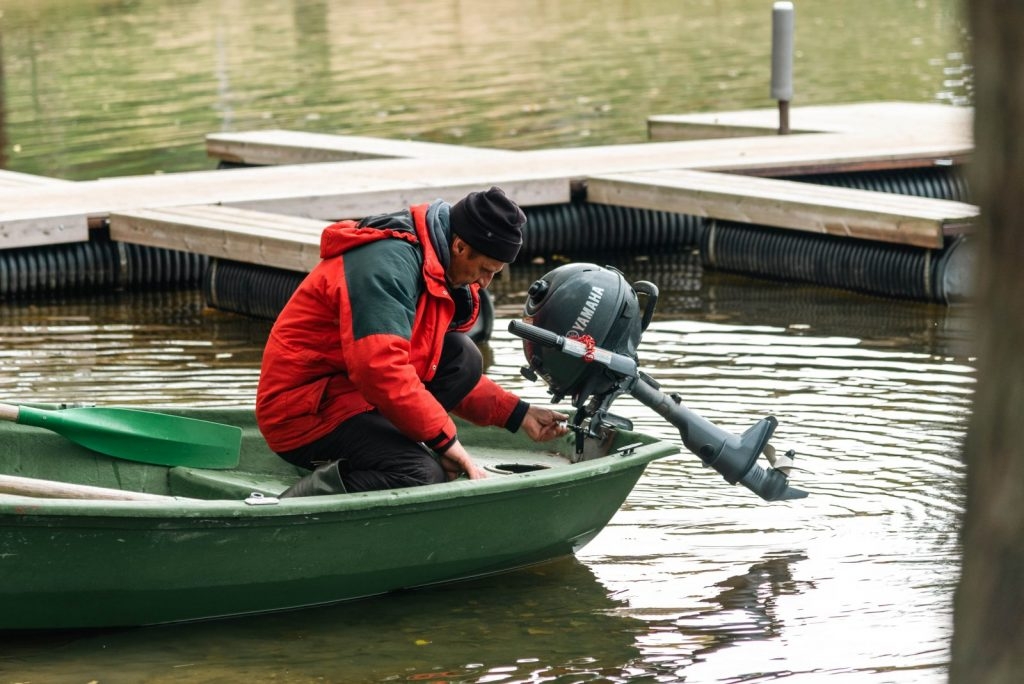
(255, 237)
(642, 175)
(14, 180)
(276, 147)
(893, 117)
(845, 212)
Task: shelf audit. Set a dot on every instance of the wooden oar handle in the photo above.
(9, 412)
(52, 489)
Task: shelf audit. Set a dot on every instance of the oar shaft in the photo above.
(50, 489)
(9, 412)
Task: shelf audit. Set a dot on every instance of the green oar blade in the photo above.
(143, 436)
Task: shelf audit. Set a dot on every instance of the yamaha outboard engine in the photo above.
(584, 301)
(581, 330)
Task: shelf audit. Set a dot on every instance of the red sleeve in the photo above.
(490, 404)
(379, 367)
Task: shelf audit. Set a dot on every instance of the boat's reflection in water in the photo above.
(550, 620)
(554, 622)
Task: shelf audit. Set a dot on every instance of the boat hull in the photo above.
(93, 563)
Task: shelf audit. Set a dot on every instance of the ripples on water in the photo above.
(693, 580)
(150, 348)
(97, 88)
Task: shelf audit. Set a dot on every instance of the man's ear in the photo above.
(458, 245)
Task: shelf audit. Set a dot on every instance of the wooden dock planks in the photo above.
(16, 233)
(50, 230)
(16, 180)
(322, 191)
(333, 190)
(274, 147)
(937, 121)
(224, 232)
(788, 204)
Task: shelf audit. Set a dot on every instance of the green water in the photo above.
(699, 584)
(96, 88)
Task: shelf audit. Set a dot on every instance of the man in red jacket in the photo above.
(369, 356)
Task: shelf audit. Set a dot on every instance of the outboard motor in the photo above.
(581, 330)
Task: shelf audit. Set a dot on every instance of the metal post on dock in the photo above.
(782, 60)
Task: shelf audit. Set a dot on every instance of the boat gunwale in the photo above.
(362, 503)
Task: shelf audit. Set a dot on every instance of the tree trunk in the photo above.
(988, 638)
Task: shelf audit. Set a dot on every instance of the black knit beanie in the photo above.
(490, 223)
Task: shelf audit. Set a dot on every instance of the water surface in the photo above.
(693, 580)
(97, 88)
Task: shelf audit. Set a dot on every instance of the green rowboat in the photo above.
(90, 540)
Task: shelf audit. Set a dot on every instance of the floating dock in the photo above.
(719, 169)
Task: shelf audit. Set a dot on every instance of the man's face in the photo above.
(470, 266)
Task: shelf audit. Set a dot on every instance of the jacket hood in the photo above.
(343, 236)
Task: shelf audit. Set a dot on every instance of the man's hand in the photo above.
(542, 424)
(456, 460)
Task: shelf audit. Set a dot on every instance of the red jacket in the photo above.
(364, 330)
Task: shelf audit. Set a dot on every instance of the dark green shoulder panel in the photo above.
(384, 280)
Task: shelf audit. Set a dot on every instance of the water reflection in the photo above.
(689, 576)
(554, 622)
(692, 578)
(3, 109)
(96, 88)
(745, 608)
(148, 348)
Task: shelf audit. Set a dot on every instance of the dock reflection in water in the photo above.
(693, 579)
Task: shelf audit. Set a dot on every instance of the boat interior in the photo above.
(40, 463)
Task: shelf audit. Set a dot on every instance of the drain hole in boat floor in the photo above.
(509, 468)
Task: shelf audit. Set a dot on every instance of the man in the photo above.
(369, 356)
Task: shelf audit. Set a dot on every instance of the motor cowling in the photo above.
(591, 304)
